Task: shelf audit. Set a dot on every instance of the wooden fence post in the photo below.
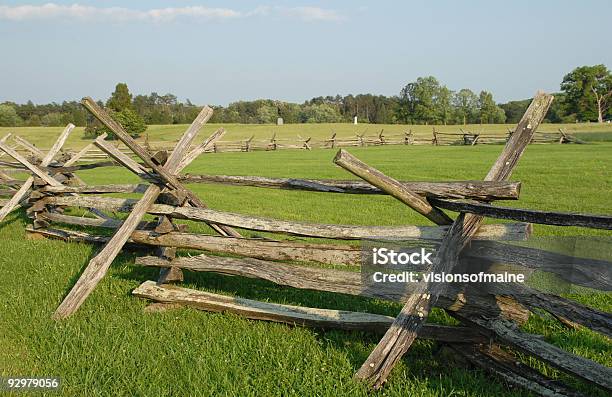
(333, 140)
(272, 145)
(408, 139)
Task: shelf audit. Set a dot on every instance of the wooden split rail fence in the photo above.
(92, 152)
(470, 138)
(488, 336)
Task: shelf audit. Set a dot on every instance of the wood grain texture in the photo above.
(118, 156)
(532, 216)
(328, 280)
(505, 231)
(583, 368)
(96, 189)
(293, 315)
(585, 272)
(480, 190)
(262, 249)
(498, 362)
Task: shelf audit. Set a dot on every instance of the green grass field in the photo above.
(43, 137)
(111, 347)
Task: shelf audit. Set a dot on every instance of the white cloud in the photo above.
(77, 11)
(313, 14)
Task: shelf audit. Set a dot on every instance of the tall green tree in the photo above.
(424, 101)
(589, 92)
(489, 112)
(465, 103)
(443, 105)
(322, 113)
(120, 99)
(9, 116)
(129, 120)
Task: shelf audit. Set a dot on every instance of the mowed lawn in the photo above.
(112, 347)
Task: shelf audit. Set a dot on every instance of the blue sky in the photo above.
(221, 51)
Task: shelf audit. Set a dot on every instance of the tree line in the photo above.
(585, 96)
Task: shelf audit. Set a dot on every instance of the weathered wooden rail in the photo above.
(55, 200)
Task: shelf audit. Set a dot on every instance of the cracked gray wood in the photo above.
(481, 190)
(504, 231)
(293, 315)
(524, 215)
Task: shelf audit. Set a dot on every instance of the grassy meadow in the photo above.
(112, 347)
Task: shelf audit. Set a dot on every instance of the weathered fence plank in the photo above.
(480, 190)
(262, 249)
(580, 367)
(534, 216)
(503, 231)
(293, 315)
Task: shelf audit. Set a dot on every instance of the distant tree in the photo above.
(589, 91)
(120, 99)
(424, 101)
(290, 112)
(515, 109)
(168, 100)
(26, 110)
(382, 115)
(465, 103)
(558, 112)
(417, 100)
(442, 103)
(9, 116)
(322, 113)
(267, 114)
(129, 120)
(52, 120)
(33, 121)
(489, 112)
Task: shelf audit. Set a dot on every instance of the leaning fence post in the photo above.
(391, 186)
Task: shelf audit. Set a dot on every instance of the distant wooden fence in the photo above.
(92, 152)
